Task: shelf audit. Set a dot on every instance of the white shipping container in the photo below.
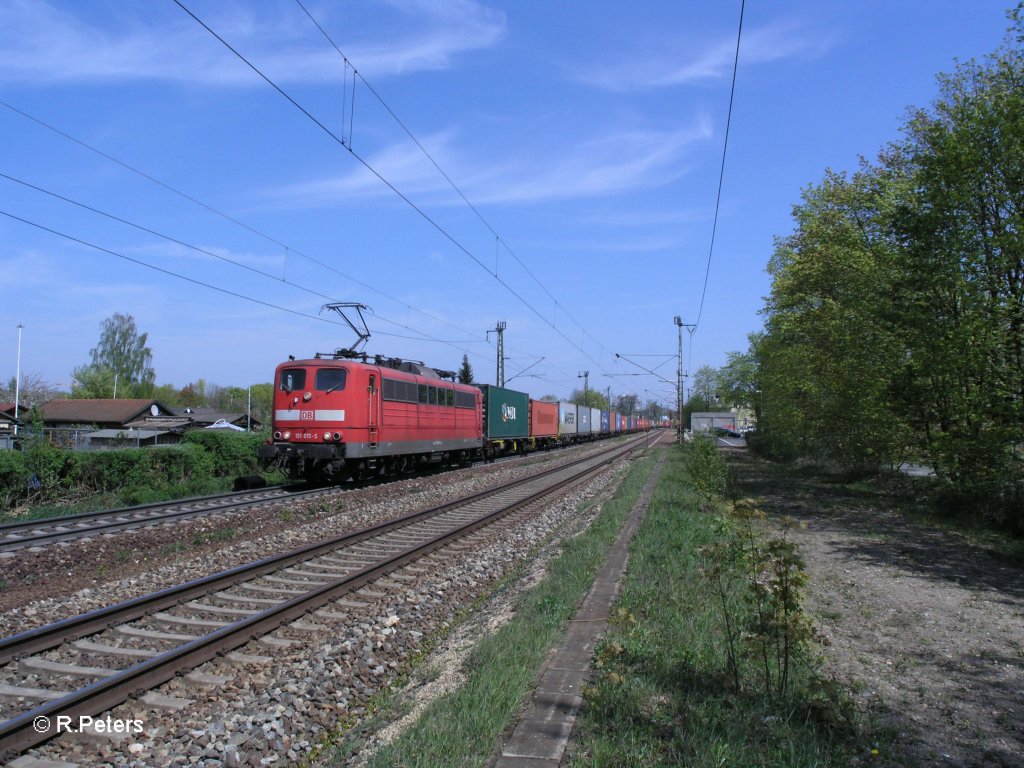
(567, 418)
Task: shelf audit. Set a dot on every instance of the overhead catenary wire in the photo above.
(498, 238)
(721, 172)
(423, 336)
(366, 164)
(172, 273)
(289, 250)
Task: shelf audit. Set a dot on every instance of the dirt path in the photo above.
(926, 629)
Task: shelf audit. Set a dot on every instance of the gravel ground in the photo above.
(926, 629)
(64, 580)
(278, 708)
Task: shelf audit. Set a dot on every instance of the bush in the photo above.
(233, 453)
(704, 467)
(47, 474)
(52, 471)
(14, 477)
(152, 468)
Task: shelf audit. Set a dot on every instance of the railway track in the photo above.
(87, 664)
(42, 532)
(51, 530)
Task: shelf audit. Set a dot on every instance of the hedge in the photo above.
(46, 474)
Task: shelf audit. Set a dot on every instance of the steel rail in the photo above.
(60, 533)
(52, 635)
(83, 517)
(255, 497)
(23, 731)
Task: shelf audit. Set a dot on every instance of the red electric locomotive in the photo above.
(337, 418)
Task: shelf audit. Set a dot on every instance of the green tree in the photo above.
(706, 385)
(167, 394)
(739, 379)
(963, 277)
(92, 382)
(262, 402)
(466, 371)
(121, 360)
(591, 397)
(830, 351)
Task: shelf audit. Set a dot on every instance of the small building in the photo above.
(708, 420)
(8, 421)
(130, 438)
(106, 414)
(72, 423)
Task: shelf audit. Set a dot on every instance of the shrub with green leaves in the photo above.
(704, 467)
(233, 453)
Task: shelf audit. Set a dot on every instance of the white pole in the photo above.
(17, 381)
(248, 412)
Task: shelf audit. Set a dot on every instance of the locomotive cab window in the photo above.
(292, 379)
(330, 379)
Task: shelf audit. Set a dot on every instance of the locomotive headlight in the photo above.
(307, 397)
(337, 435)
(286, 435)
(327, 436)
(277, 435)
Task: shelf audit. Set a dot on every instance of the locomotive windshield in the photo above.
(292, 379)
(330, 379)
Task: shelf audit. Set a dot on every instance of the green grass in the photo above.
(464, 727)
(663, 694)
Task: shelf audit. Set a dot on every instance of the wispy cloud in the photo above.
(675, 67)
(41, 43)
(604, 165)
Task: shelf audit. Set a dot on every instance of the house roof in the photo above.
(100, 411)
(8, 408)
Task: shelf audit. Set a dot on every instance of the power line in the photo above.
(423, 214)
(721, 173)
(356, 73)
(288, 249)
(165, 271)
(423, 336)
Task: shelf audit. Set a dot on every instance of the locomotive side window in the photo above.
(433, 395)
(449, 397)
(424, 397)
(464, 400)
(292, 379)
(387, 389)
(330, 379)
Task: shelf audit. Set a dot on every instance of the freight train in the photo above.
(338, 418)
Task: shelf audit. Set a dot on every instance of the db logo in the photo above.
(306, 415)
(508, 412)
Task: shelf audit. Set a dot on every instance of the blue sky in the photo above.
(587, 136)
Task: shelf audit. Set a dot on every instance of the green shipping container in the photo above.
(506, 413)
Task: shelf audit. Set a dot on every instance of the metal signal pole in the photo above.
(586, 388)
(679, 374)
(499, 329)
